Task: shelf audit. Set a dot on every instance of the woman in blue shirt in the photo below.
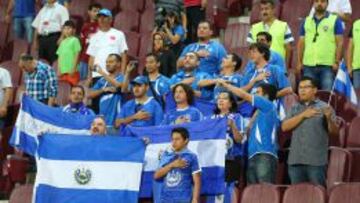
(175, 33)
(184, 112)
(235, 143)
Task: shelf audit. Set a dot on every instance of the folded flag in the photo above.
(35, 118)
(207, 140)
(343, 85)
(85, 169)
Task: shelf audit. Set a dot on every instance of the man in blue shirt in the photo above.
(109, 89)
(320, 45)
(76, 105)
(261, 132)
(275, 58)
(23, 13)
(180, 170)
(184, 111)
(210, 52)
(264, 73)
(191, 75)
(143, 110)
(159, 84)
(229, 66)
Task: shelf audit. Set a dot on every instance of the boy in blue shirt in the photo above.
(184, 112)
(77, 105)
(229, 66)
(180, 170)
(262, 133)
(143, 110)
(191, 75)
(210, 52)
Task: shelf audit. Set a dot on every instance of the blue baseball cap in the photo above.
(139, 80)
(105, 12)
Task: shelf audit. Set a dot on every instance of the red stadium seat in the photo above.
(261, 193)
(347, 192)
(235, 7)
(147, 21)
(132, 5)
(355, 4)
(255, 13)
(217, 13)
(112, 5)
(127, 21)
(6, 149)
(14, 71)
(63, 93)
(294, 10)
(79, 8)
(133, 40)
(145, 44)
(304, 192)
(339, 166)
(22, 194)
(353, 139)
(19, 47)
(235, 35)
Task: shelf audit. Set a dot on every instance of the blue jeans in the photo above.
(323, 74)
(306, 173)
(356, 78)
(23, 28)
(261, 169)
(83, 70)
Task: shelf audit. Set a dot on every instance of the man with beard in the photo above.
(210, 52)
(320, 45)
(98, 126)
(279, 30)
(77, 105)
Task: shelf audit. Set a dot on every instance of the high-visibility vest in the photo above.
(356, 42)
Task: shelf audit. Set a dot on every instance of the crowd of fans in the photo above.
(186, 65)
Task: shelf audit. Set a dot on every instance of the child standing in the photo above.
(68, 54)
(180, 171)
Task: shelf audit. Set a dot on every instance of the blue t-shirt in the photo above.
(206, 93)
(161, 86)
(275, 59)
(179, 30)
(234, 149)
(191, 113)
(110, 103)
(263, 132)
(24, 8)
(339, 28)
(151, 106)
(235, 80)
(78, 108)
(178, 183)
(212, 63)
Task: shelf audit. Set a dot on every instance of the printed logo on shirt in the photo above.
(326, 28)
(229, 142)
(112, 38)
(173, 178)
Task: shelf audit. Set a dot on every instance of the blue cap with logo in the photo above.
(105, 12)
(140, 80)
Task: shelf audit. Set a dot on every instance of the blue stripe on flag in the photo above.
(130, 148)
(46, 194)
(27, 143)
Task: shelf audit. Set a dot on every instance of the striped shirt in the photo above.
(42, 83)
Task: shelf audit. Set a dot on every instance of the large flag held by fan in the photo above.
(82, 169)
(35, 118)
(343, 85)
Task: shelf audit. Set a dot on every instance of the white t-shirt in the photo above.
(336, 6)
(50, 19)
(104, 43)
(5, 82)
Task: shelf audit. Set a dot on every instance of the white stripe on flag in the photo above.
(211, 151)
(32, 126)
(341, 76)
(104, 175)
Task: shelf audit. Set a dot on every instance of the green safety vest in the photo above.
(356, 42)
(277, 31)
(322, 51)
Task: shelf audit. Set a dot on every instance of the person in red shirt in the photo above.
(88, 29)
(195, 13)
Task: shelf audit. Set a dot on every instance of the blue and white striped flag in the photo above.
(35, 118)
(207, 140)
(83, 169)
(343, 85)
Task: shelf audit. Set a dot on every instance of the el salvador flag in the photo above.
(207, 141)
(35, 118)
(343, 85)
(88, 169)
